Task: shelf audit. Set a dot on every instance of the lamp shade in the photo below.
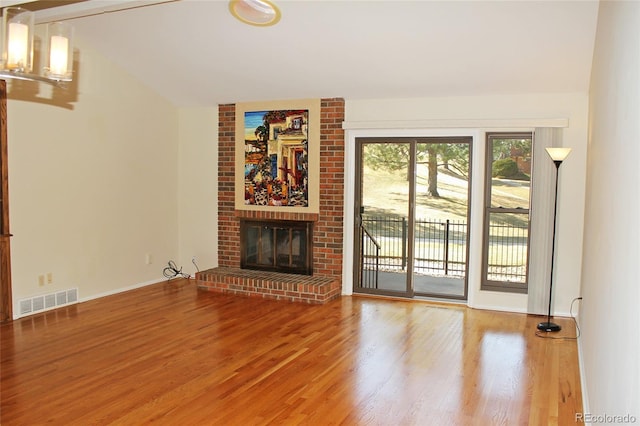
(17, 39)
(59, 52)
(558, 154)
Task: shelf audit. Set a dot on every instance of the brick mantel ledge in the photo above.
(270, 285)
(276, 215)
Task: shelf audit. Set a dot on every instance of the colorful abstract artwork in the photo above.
(276, 158)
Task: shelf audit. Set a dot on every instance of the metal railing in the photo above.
(369, 259)
(508, 245)
(441, 247)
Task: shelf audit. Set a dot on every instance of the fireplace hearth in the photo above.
(277, 245)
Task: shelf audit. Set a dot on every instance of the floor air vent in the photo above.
(48, 301)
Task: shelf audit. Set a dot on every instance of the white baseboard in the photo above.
(583, 382)
(498, 308)
(121, 289)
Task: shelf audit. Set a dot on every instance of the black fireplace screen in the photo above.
(282, 246)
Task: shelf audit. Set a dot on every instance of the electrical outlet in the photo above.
(194, 259)
(148, 259)
(49, 277)
(41, 280)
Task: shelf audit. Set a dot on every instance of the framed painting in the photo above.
(277, 155)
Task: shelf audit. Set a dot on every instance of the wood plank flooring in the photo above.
(170, 354)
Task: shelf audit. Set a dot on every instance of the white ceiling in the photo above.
(195, 53)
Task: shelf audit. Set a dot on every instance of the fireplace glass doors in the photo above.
(281, 246)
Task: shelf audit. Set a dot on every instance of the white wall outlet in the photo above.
(49, 277)
(148, 259)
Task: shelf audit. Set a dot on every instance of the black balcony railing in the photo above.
(441, 247)
(369, 259)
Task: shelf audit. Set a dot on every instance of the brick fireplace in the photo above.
(326, 281)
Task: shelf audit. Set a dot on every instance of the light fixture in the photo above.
(557, 155)
(17, 49)
(261, 13)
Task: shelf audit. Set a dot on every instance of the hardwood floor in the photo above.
(171, 354)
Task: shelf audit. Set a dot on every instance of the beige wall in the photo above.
(198, 188)
(444, 116)
(610, 316)
(93, 189)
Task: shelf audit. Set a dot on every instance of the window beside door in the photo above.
(507, 207)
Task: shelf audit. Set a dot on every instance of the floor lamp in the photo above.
(557, 155)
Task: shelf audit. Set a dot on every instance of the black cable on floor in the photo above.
(172, 271)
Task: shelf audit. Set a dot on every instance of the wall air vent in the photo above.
(25, 307)
(46, 302)
(72, 295)
(49, 301)
(38, 303)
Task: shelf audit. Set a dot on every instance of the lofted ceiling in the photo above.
(195, 53)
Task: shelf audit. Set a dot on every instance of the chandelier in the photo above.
(17, 62)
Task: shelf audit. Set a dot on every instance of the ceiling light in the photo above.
(261, 13)
(16, 62)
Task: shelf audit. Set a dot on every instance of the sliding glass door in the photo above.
(412, 205)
